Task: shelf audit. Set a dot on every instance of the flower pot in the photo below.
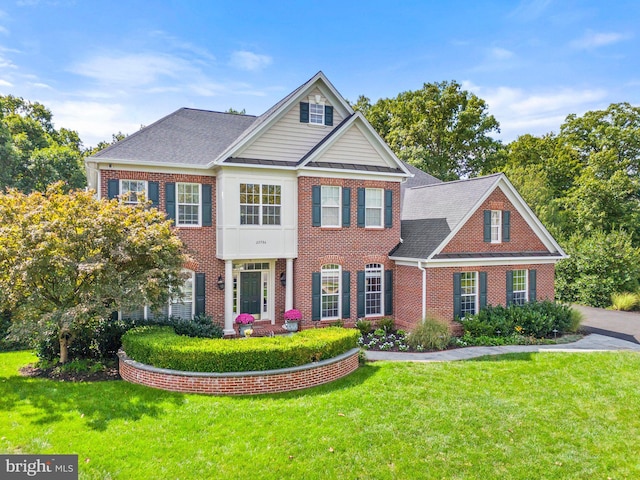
(242, 327)
(291, 325)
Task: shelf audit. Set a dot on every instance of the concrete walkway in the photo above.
(590, 343)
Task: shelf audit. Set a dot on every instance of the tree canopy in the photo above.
(441, 129)
(66, 259)
(33, 153)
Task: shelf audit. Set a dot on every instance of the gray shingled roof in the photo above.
(420, 178)
(431, 212)
(186, 136)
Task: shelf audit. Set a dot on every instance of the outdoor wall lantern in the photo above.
(220, 282)
(283, 279)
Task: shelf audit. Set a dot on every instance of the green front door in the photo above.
(250, 293)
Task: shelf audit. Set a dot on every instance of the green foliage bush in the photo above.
(162, 348)
(536, 319)
(430, 334)
(104, 337)
(387, 324)
(599, 265)
(365, 326)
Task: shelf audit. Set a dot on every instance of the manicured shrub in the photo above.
(386, 323)
(161, 347)
(624, 301)
(430, 334)
(201, 326)
(537, 319)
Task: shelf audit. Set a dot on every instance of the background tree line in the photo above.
(583, 182)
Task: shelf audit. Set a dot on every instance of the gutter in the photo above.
(424, 289)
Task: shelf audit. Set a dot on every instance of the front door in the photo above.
(250, 293)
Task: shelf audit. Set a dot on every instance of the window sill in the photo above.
(331, 228)
(374, 228)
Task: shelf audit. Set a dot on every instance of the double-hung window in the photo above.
(496, 226)
(188, 204)
(469, 293)
(132, 191)
(520, 290)
(183, 305)
(373, 289)
(316, 113)
(373, 207)
(330, 292)
(260, 204)
(330, 205)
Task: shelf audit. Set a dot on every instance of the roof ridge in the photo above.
(216, 111)
(442, 183)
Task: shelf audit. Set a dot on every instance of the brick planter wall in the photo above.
(240, 383)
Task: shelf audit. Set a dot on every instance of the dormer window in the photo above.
(316, 113)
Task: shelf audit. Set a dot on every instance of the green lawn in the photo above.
(528, 416)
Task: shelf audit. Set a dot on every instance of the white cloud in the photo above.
(530, 9)
(595, 39)
(498, 53)
(131, 69)
(4, 30)
(535, 112)
(5, 83)
(249, 61)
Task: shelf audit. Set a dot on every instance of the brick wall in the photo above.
(241, 383)
(470, 237)
(200, 242)
(351, 247)
(408, 296)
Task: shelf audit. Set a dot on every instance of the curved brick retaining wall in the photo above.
(240, 383)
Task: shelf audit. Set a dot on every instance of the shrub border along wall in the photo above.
(240, 383)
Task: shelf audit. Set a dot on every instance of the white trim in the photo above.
(177, 220)
(122, 191)
(526, 283)
(155, 167)
(380, 270)
(476, 294)
(463, 262)
(339, 290)
(499, 225)
(339, 207)
(380, 208)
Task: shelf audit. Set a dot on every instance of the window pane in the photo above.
(373, 207)
(469, 292)
(496, 225)
(519, 287)
(131, 189)
(373, 289)
(330, 292)
(330, 216)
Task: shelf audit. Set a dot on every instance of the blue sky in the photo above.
(109, 66)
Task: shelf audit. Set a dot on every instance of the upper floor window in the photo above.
(316, 113)
(188, 202)
(330, 292)
(330, 205)
(260, 204)
(132, 191)
(373, 207)
(496, 226)
(373, 289)
(520, 290)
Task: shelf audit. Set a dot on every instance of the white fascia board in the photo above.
(350, 174)
(406, 262)
(169, 168)
(476, 262)
(464, 220)
(275, 116)
(252, 165)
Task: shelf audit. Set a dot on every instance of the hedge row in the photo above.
(162, 348)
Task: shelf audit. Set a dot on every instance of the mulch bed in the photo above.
(55, 373)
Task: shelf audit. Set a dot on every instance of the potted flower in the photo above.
(292, 319)
(244, 321)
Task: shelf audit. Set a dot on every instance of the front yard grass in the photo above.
(523, 416)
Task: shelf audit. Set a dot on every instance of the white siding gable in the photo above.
(288, 139)
(356, 147)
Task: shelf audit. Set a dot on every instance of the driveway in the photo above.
(622, 325)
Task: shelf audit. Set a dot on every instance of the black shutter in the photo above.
(483, 289)
(361, 207)
(328, 115)
(388, 208)
(316, 207)
(315, 296)
(457, 295)
(170, 200)
(346, 207)
(506, 226)
(487, 225)
(304, 112)
(113, 188)
(346, 294)
(207, 211)
(360, 286)
(532, 285)
(509, 287)
(154, 194)
(114, 316)
(388, 292)
(200, 293)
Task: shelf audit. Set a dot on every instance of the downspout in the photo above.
(424, 290)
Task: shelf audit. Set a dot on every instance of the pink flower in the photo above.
(245, 318)
(292, 314)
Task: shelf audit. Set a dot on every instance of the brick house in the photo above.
(301, 208)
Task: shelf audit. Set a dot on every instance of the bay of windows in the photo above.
(260, 204)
